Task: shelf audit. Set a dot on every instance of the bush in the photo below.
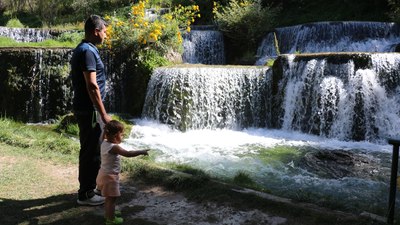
(72, 37)
(15, 23)
(245, 22)
(142, 37)
(394, 14)
(205, 6)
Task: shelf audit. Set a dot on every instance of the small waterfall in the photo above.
(50, 88)
(203, 45)
(330, 37)
(207, 97)
(27, 34)
(344, 96)
(37, 89)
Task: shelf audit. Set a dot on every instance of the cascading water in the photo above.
(207, 97)
(27, 34)
(343, 96)
(336, 96)
(49, 87)
(203, 45)
(37, 88)
(330, 37)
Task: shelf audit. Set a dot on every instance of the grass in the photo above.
(9, 42)
(37, 140)
(64, 40)
(32, 172)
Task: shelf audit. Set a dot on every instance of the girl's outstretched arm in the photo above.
(121, 151)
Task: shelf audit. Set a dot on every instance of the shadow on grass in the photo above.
(59, 209)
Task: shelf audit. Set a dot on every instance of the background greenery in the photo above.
(50, 13)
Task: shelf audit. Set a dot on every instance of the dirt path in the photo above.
(37, 191)
(164, 207)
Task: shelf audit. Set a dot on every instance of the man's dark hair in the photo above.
(94, 22)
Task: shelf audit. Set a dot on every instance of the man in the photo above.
(88, 81)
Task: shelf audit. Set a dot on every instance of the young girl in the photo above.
(108, 177)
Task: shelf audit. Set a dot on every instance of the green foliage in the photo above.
(276, 43)
(15, 23)
(30, 19)
(174, 180)
(205, 6)
(71, 37)
(68, 125)
(245, 22)
(145, 43)
(190, 170)
(394, 13)
(270, 62)
(151, 59)
(36, 13)
(306, 11)
(137, 32)
(243, 178)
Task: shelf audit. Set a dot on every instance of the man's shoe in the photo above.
(115, 221)
(95, 200)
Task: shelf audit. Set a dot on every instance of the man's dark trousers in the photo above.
(89, 155)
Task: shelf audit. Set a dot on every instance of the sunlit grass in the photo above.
(9, 42)
(39, 140)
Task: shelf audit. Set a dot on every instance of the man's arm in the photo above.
(94, 94)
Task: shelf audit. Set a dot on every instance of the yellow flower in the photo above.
(188, 29)
(119, 24)
(168, 17)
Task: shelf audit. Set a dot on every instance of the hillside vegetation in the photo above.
(39, 13)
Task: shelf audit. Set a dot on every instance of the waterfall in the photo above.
(330, 37)
(27, 34)
(37, 89)
(203, 45)
(50, 89)
(207, 97)
(356, 99)
(343, 96)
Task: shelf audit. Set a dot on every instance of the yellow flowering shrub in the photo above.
(137, 33)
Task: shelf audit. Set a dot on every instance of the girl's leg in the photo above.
(109, 207)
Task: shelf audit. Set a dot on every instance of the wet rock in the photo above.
(339, 163)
